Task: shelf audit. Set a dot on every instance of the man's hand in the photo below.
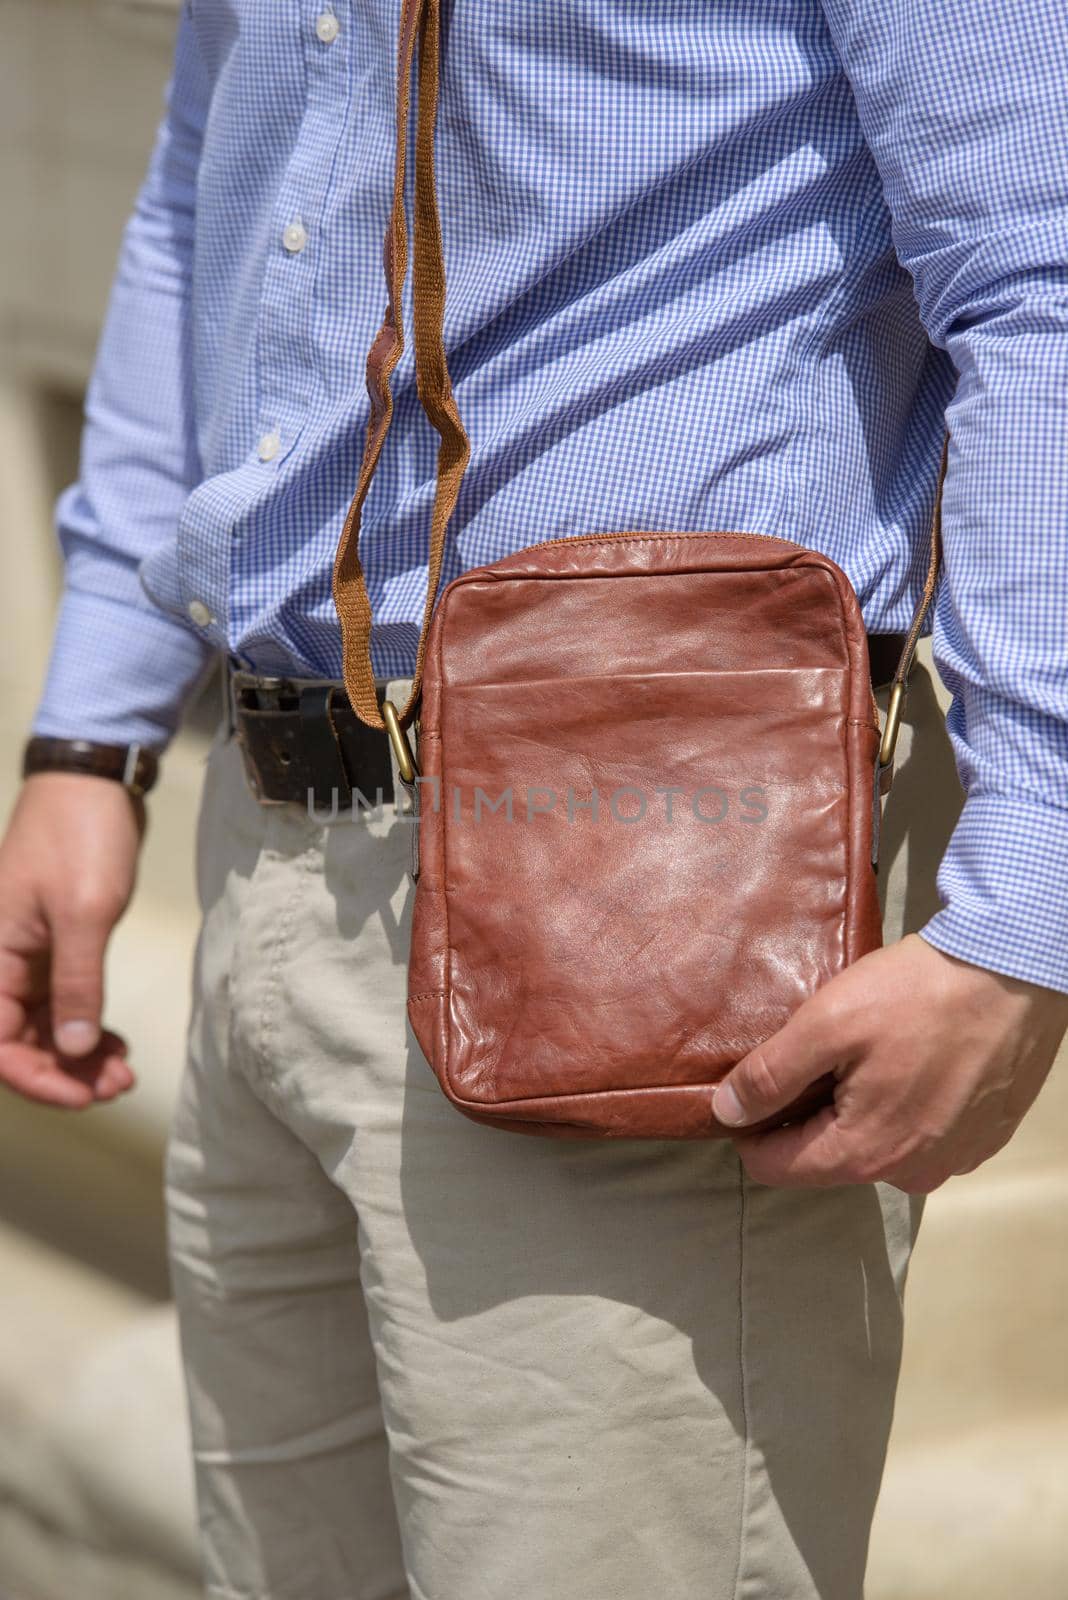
(936, 1063)
(67, 868)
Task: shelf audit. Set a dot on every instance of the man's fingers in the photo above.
(31, 1068)
(810, 1154)
(12, 1017)
(819, 1153)
(114, 1074)
(34, 1073)
(771, 1077)
(77, 986)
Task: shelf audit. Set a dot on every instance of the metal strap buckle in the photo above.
(892, 726)
(398, 738)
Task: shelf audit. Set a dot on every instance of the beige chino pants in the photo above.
(433, 1360)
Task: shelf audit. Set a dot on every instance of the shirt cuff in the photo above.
(119, 672)
(1003, 883)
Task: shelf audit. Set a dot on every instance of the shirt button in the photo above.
(327, 27)
(199, 613)
(269, 446)
(294, 237)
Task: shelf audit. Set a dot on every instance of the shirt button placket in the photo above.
(286, 340)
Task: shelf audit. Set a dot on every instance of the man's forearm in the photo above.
(977, 180)
(120, 668)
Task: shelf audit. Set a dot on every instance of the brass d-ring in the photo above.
(398, 738)
(892, 726)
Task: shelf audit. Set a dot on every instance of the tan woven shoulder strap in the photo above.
(420, 46)
(420, 38)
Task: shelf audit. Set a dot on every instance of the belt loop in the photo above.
(324, 746)
(229, 708)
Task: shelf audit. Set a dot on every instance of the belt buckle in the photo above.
(249, 694)
(236, 682)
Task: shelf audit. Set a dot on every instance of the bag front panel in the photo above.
(646, 848)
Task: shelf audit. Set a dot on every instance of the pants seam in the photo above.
(279, 949)
(214, 1592)
(743, 1378)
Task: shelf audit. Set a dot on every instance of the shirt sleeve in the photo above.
(965, 108)
(120, 668)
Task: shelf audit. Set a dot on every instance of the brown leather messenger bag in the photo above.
(649, 772)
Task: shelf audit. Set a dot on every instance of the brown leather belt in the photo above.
(303, 744)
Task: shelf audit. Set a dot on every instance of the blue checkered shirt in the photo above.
(711, 266)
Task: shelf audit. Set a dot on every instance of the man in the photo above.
(709, 267)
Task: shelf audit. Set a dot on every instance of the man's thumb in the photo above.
(78, 946)
(771, 1077)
